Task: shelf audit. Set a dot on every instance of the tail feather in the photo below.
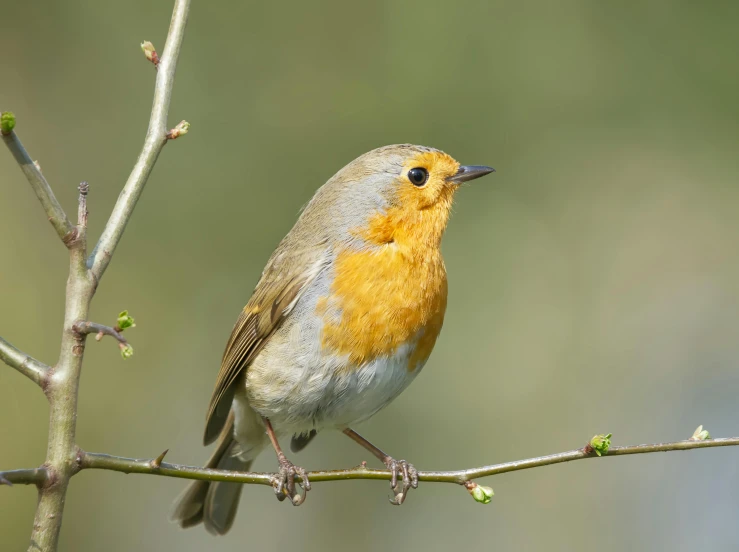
(222, 499)
(213, 503)
(187, 510)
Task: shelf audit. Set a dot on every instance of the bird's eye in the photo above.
(418, 176)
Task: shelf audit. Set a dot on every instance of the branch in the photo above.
(36, 476)
(84, 189)
(84, 328)
(579, 454)
(125, 320)
(27, 365)
(100, 330)
(88, 460)
(84, 277)
(156, 137)
(56, 215)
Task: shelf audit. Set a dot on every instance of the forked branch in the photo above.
(61, 386)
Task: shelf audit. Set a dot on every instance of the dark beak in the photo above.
(470, 172)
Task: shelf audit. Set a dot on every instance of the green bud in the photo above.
(700, 434)
(481, 494)
(601, 443)
(7, 122)
(125, 320)
(126, 350)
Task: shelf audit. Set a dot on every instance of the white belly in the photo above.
(300, 396)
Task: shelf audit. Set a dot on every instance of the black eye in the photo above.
(418, 176)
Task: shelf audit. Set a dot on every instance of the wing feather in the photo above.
(274, 298)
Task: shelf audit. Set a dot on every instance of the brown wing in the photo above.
(273, 299)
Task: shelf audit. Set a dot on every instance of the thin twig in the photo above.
(84, 328)
(54, 212)
(89, 460)
(82, 213)
(156, 137)
(35, 476)
(27, 365)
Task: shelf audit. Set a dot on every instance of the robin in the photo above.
(344, 317)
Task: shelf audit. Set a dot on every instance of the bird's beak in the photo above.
(470, 172)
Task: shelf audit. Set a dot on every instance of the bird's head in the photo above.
(399, 194)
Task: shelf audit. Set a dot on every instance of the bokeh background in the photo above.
(594, 279)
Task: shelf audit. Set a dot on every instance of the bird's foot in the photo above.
(284, 482)
(405, 478)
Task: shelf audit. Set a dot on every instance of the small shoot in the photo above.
(601, 443)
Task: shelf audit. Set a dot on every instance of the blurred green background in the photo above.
(594, 279)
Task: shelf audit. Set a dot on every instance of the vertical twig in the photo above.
(83, 188)
(63, 380)
(62, 393)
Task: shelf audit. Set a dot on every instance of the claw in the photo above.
(408, 475)
(284, 483)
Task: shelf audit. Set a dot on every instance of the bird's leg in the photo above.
(399, 468)
(284, 484)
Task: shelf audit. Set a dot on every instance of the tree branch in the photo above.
(54, 212)
(35, 476)
(156, 137)
(62, 392)
(100, 330)
(88, 460)
(27, 365)
(84, 276)
(84, 328)
(579, 454)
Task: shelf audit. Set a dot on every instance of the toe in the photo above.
(392, 465)
(278, 486)
(413, 474)
(406, 477)
(304, 479)
(290, 487)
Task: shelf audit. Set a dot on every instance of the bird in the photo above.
(343, 319)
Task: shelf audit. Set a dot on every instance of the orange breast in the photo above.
(389, 295)
(384, 302)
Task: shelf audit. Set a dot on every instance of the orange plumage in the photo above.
(392, 295)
